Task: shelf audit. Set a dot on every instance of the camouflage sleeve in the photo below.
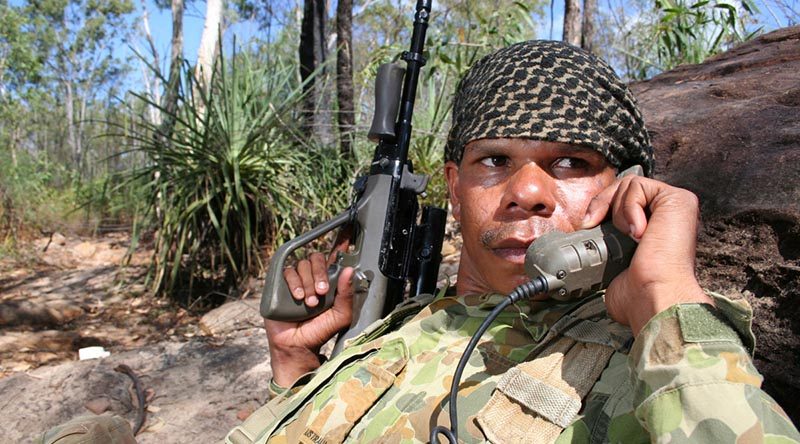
(694, 380)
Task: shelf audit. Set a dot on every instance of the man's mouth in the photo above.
(511, 250)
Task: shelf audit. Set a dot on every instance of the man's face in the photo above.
(508, 192)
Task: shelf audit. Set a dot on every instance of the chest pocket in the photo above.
(328, 407)
(534, 401)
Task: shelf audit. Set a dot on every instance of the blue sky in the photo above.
(769, 16)
(161, 27)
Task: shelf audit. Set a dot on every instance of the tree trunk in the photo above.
(16, 135)
(313, 53)
(170, 99)
(344, 75)
(572, 22)
(153, 85)
(209, 42)
(79, 133)
(588, 41)
(72, 139)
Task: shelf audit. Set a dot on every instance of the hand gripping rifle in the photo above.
(391, 250)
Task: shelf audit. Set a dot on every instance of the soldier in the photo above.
(540, 131)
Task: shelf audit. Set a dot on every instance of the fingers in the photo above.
(319, 272)
(627, 201)
(629, 207)
(309, 279)
(599, 206)
(294, 282)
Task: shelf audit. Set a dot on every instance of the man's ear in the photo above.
(451, 176)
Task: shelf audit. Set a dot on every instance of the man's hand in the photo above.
(294, 346)
(664, 220)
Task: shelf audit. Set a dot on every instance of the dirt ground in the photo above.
(62, 294)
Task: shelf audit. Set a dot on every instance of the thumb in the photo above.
(343, 303)
(614, 298)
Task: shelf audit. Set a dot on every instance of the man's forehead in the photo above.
(490, 144)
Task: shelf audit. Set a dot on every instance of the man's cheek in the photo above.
(575, 201)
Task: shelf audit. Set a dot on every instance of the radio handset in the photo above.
(583, 262)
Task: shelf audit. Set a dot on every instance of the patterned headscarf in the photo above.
(549, 91)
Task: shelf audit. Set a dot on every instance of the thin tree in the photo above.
(209, 43)
(313, 54)
(152, 85)
(572, 22)
(588, 36)
(170, 98)
(344, 75)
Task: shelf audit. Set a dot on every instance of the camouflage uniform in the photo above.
(687, 377)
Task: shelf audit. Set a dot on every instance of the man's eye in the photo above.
(495, 161)
(571, 163)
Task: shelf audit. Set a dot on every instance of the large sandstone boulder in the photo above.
(729, 130)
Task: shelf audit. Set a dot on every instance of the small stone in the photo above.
(59, 239)
(84, 250)
(98, 405)
(448, 248)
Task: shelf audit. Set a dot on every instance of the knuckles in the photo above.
(682, 195)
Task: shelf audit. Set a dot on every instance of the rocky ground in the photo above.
(202, 374)
(61, 294)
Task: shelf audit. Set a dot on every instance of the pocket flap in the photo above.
(334, 401)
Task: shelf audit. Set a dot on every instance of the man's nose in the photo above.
(530, 190)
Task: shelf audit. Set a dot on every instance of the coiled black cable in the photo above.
(526, 290)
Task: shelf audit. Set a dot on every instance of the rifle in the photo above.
(391, 249)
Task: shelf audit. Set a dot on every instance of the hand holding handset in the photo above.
(583, 262)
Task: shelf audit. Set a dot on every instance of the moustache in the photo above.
(519, 230)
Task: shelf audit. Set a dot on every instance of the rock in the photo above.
(202, 389)
(729, 130)
(448, 248)
(59, 239)
(37, 312)
(98, 405)
(50, 340)
(243, 414)
(232, 317)
(84, 250)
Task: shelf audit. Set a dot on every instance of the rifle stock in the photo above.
(391, 250)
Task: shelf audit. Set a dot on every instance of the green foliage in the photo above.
(19, 62)
(233, 175)
(31, 198)
(688, 32)
(65, 50)
(642, 39)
